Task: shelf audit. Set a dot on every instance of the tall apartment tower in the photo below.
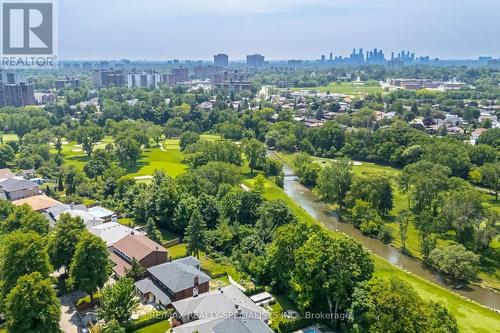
(255, 61)
(14, 91)
(221, 60)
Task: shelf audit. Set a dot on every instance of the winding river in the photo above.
(321, 212)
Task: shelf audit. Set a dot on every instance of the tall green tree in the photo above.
(273, 214)
(196, 234)
(490, 175)
(391, 305)
(88, 135)
(63, 240)
(118, 301)
(152, 231)
(423, 181)
(90, 267)
(7, 155)
(334, 181)
(136, 271)
(23, 253)
(376, 190)
(456, 261)
(155, 132)
(187, 138)
(281, 254)
(404, 220)
(463, 211)
(23, 218)
(329, 276)
(255, 152)
(32, 306)
(127, 150)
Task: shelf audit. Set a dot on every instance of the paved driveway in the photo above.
(70, 320)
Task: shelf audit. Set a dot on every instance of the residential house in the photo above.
(146, 251)
(112, 232)
(39, 203)
(14, 189)
(102, 213)
(6, 174)
(90, 220)
(473, 137)
(173, 281)
(220, 310)
(232, 325)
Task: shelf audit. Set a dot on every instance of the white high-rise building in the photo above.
(143, 80)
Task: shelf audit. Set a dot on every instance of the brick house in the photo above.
(173, 281)
(147, 252)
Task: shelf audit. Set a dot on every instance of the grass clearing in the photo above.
(160, 327)
(9, 137)
(168, 160)
(348, 88)
(177, 251)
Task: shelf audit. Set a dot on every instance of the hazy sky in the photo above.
(279, 29)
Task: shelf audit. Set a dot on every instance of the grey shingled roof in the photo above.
(220, 304)
(147, 286)
(214, 308)
(57, 210)
(241, 325)
(179, 275)
(12, 184)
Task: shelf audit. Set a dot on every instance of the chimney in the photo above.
(196, 280)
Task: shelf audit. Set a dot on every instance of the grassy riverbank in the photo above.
(490, 265)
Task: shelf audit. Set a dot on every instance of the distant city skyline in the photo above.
(277, 29)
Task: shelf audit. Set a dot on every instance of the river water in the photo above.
(321, 212)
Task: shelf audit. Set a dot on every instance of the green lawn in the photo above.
(74, 155)
(168, 160)
(277, 309)
(8, 137)
(211, 137)
(348, 88)
(160, 327)
(177, 251)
